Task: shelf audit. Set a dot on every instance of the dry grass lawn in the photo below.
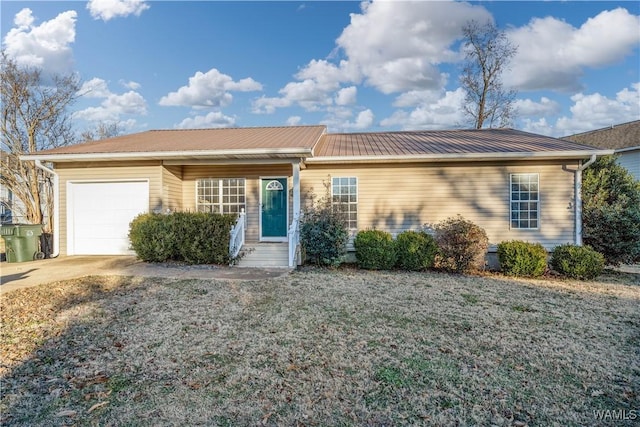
(321, 347)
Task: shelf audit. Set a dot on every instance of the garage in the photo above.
(99, 214)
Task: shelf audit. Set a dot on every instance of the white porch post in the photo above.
(296, 189)
(294, 234)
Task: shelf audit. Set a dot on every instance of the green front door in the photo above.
(274, 208)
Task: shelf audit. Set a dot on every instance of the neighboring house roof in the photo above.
(618, 137)
(314, 145)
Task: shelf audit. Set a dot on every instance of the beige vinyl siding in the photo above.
(172, 188)
(97, 172)
(407, 196)
(252, 175)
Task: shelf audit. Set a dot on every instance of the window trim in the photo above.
(220, 203)
(356, 203)
(512, 201)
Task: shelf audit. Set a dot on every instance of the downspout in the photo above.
(56, 208)
(578, 198)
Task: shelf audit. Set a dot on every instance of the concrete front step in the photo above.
(262, 254)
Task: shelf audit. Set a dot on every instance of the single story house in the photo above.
(623, 138)
(516, 185)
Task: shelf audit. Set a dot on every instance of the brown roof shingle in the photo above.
(615, 137)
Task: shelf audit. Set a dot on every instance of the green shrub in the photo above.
(611, 211)
(463, 245)
(415, 250)
(153, 238)
(577, 262)
(323, 235)
(375, 250)
(203, 238)
(518, 258)
(194, 238)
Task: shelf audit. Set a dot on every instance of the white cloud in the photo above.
(444, 113)
(397, 45)
(310, 94)
(113, 106)
(46, 46)
(210, 89)
(414, 98)
(393, 47)
(294, 120)
(364, 120)
(540, 126)
(130, 84)
(530, 108)
(109, 9)
(339, 120)
(95, 88)
(596, 111)
(346, 96)
(214, 119)
(552, 54)
(267, 105)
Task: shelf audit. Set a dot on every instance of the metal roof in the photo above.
(252, 142)
(316, 146)
(416, 143)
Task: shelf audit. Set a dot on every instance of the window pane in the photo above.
(220, 195)
(344, 197)
(524, 201)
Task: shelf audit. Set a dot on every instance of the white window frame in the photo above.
(518, 212)
(220, 205)
(351, 205)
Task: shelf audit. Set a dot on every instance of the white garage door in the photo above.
(99, 214)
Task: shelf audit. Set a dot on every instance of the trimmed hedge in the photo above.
(375, 250)
(518, 258)
(415, 250)
(463, 245)
(153, 237)
(577, 262)
(193, 238)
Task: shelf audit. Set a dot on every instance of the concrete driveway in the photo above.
(34, 273)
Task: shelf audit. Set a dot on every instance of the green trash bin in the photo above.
(22, 242)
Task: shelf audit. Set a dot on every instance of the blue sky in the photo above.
(371, 66)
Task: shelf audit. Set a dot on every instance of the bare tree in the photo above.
(34, 117)
(102, 131)
(488, 54)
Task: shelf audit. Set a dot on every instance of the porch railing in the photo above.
(236, 239)
(294, 241)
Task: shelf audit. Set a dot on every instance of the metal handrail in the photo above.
(237, 235)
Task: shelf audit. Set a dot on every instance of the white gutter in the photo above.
(56, 208)
(578, 197)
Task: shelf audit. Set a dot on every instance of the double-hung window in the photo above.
(525, 201)
(220, 195)
(344, 198)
